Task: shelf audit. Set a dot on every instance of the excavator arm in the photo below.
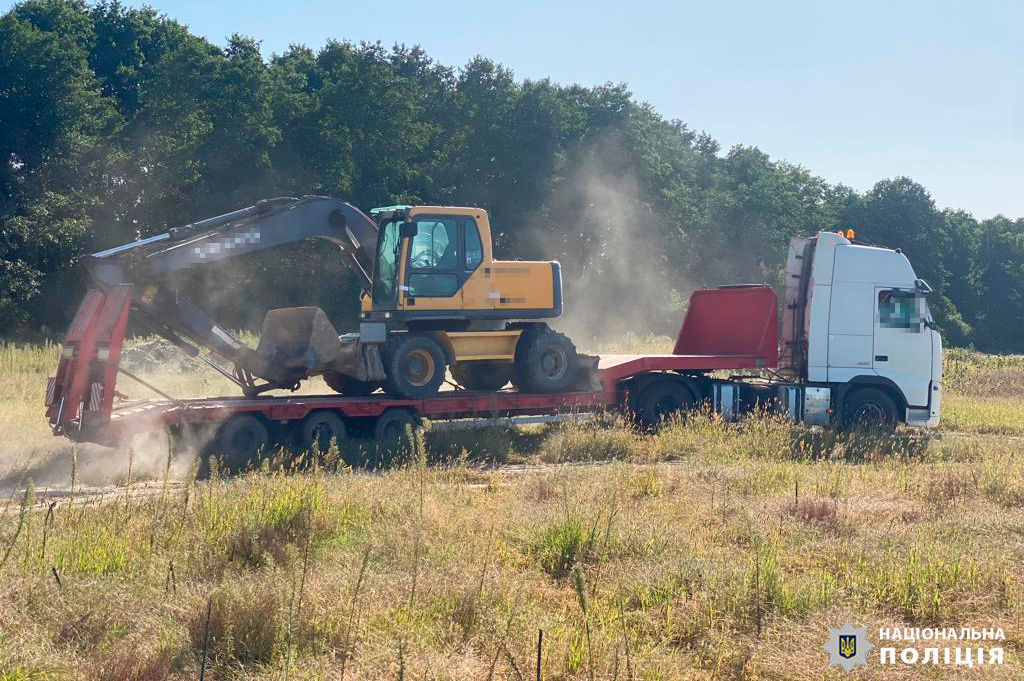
(145, 264)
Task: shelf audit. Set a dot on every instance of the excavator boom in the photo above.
(268, 224)
(146, 263)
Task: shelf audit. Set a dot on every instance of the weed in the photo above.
(664, 566)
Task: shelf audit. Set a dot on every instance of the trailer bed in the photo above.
(128, 418)
(724, 329)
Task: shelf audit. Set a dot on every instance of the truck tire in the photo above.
(346, 385)
(662, 400)
(392, 431)
(414, 364)
(319, 429)
(240, 441)
(869, 409)
(545, 362)
(487, 376)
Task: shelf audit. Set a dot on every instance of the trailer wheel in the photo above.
(320, 428)
(869, 409)
(346, 385)
(662, 400)
(487, 376)
(393, 429)
(240, 440)
(414, 364)
(545, 362)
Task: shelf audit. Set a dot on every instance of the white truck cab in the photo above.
(856, 324)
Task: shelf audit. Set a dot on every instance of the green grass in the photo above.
(705, 551)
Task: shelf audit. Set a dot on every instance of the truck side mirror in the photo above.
(408, 230)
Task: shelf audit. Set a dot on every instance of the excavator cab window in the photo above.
(434, 258)
(474, 248)
(386, 271)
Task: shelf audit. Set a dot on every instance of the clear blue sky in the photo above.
(853, 91)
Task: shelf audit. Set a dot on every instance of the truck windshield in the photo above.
(384, 271)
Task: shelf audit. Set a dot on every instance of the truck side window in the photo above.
(902, 310)
(474, 249)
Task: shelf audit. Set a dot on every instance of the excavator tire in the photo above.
(414, 364)
(488, 376)
(346, 385)
(545, 362)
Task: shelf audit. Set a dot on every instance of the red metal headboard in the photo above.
(736, 320)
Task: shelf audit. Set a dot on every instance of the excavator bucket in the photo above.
(302, 338)
(296, 337)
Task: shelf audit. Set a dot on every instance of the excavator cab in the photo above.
(435, 264)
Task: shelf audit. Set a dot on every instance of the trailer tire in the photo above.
(869, 409)
(487, 376)
(415, 365)
(319, 429)
(240, 441)
(393, 429)
(545, 362)
(346, 385)
(662, 400)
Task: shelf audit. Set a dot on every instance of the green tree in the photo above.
(53, 127)
(1000, 282)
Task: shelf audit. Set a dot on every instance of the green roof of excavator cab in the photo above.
(388, 209)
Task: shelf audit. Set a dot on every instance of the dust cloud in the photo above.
(149, 456)
(614, 253)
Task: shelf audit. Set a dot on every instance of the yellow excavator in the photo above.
(433, 297)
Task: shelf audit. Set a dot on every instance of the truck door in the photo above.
(903, 346)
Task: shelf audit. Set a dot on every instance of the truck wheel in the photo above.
(414, 364)
(869, 409)
(661, 400)
(545, 362)
(346, 385)
(393, 428)
(487, 376)
(320, 428)
(240, 441)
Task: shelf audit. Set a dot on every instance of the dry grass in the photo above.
(705, 551)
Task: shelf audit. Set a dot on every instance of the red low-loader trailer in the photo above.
(731, 328)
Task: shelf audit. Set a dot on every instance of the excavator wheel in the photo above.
(414, 364)
(545, 362)
(346, 385)
(486, 376)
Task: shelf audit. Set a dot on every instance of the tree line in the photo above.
(117, 123)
